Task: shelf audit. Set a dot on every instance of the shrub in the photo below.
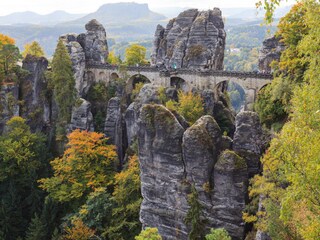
(218, 234)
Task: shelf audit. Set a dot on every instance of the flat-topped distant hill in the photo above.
(115, 13)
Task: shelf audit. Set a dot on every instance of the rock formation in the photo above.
(82, 117)
(94, 42)
(270, 51)
(230, 193)
(173, 159)
(195, 39)
(86, 48)
(9, 97)
(162, 172)
(78, 59)
(114, 127)
(33, 90)
(248, 140)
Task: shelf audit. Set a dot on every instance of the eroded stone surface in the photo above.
(32, 92)
(230, 193)
(248, 140)
(86, 48)
(113, 127)
(82, 117)
(270, 51)
(194, 39)
(164, 203)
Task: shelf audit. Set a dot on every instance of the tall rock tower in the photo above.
(85, 49)
(195, 39)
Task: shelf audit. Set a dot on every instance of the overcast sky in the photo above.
(87, 6)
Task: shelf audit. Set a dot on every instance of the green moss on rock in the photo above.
(229, 161)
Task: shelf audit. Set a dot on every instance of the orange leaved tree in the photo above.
(87, 164)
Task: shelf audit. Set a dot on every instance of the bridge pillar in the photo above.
(250, 99)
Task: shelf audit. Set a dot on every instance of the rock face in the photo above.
(94, 42)
(162, 172)
(270, 51)
(86, 48)
(82, 117)
(230, 193)
(195, 39)
(173, 159)
(77, 56)
(248, 140)
(9, 96)
(114, 125)
(32, 91)
(148, 94)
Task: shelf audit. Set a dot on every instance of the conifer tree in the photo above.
(37, 229)
(127, 198)
(193, 217)
(64, 82)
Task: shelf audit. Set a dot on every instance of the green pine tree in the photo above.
(64, 83)
(193, 218)
(55, 235)
(37, 229)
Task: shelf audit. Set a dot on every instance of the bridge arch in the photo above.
(102, 76)
(134, 80)
(237, 95)
(179, 83)
(114, 76)
(262, 87)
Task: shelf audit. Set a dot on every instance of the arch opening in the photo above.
(114, 76)
(102, 76)
(136, 80)
(263, 87)
(179, 83)
(235, 95)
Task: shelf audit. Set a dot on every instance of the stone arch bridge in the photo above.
(186, 79)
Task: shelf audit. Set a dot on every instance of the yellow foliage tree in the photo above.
(113, 59)
(290, 182)
(33, 49)
(135, 54)
(87, 164)
(190, 106)
(78, 231)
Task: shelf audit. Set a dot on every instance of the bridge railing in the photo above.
(172, 72)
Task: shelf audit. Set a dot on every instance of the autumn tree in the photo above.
(190, 106)
(78, 231)
(33, 49)
(88, 163)
(274, 102)
(113, 59)
(64, 86)
(135, 54)
(290, 182)
(4, 39)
